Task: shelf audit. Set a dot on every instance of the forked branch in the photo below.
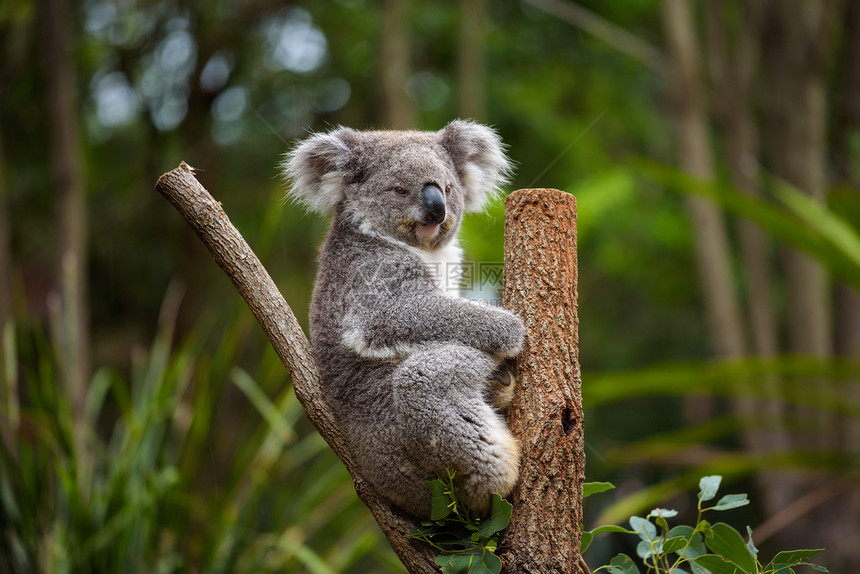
(238, 261)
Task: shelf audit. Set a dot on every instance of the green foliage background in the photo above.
(199, 458)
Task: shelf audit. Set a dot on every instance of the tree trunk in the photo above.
(68, 188)
(398, 113)
(696, 158)
(546, 415)
(470, 94)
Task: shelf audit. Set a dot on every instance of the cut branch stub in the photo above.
(546, 415)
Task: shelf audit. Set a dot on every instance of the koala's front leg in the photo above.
(412, 318)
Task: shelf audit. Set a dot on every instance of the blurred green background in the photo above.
(714, 150)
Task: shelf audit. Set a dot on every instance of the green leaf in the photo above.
(730, 501)
(708, 487)
(794, 556)
(644, 528)
(622, 564)
(695, 547)
(585, 541)
(698, 569)
(750, 546)
(590, 488)
(587, 535)
(674, 544)
(442, 504)
(500, 515)
(645, 549)
(611, 528)
(477, 560)
(780, 569)
(728, 543)
(715, 565)
(815, 567)
(660, 515)
(836, 230)
(664, 512)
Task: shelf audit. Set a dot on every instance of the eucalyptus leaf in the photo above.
(611, 528)
(664, 512)
(585, 541)
(590, 488)
(695, 546)
(730, 501)
(728, 543)
(716, 565)
(500, 515)
(697, 569)
(622, 564)
(750, 546)
(441, 504)
(646, 549)
(475, 561)
(816, 567)
(644, 528)
(708, 487)
(795, 556)
(673, 544)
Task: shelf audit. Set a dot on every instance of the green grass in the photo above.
(187, 464)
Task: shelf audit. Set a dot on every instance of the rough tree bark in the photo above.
(557, 416)
(546, 415)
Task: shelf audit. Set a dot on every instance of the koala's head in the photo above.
(408, 185)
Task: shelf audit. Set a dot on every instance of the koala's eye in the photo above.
(447, 189)
(400, 191)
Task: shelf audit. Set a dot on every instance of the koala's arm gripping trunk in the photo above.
(256, 287)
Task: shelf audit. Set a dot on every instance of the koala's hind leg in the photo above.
(447, 423)
(503, 381)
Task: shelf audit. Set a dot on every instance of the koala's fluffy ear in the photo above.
(318, 169)
(479, 157)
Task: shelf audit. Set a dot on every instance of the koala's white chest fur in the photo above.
(445, 266)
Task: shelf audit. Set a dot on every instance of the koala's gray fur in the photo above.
(409, 368)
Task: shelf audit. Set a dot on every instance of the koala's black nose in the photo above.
(433, 204)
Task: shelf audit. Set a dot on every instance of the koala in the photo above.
(416, 375)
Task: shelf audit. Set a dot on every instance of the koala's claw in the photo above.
(503, 375)
(502, 383)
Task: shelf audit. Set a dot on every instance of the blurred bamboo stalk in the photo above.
(470, 70)
(398, 112)
(68, 187)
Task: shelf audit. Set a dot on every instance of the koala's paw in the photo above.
(499, 478)
(502, 384)
(511, 332)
